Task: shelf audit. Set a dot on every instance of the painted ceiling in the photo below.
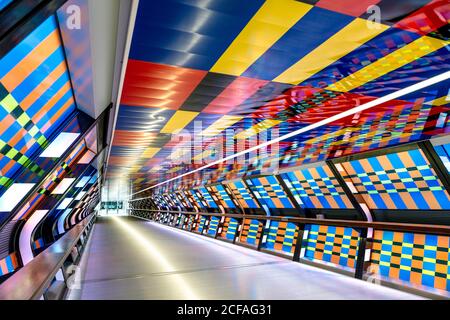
(268, 68)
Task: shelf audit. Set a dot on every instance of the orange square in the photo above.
(335, 259)
(415, 277)
(419, 239)
(441, 268)
(440, 283)
(417, 264)
(443, 242)
(394, 273)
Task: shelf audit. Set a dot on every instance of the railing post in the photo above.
(360, 258)
(299, 242)
(260, 243)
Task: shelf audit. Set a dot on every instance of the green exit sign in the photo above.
(111, 205)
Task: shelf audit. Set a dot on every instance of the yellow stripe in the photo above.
(267, 26)
(202, 155)
(178, 121)
(220, 125)
(440, 101)
(391, 62)
(428, 272)
(332, 135)
(257, 128)
(175, 169)
(406, 268)
(150, 152)
(349, 38)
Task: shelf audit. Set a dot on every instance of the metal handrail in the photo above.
(32, 280)
(392, 226)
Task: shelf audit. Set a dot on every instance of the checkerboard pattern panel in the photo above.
(213, 224)
(184, 201)
(404, 180)
(207, 197)
(242, 194)
(180, 221)
(35, 99)
(229, 229)
(190, 223)
(268, 190)
(420, 259)
(316, 188)
(196, 197)
(251, 231)
(200, 224)
(337, 245)
(8, 264)
(173, 219)
(39, 243)
(282, 236)
(220, 195)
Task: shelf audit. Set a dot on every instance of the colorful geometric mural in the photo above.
(419, 259)
(213, 224)
(229, 229)
(281, 236)
(404, 180)
(221, 196)
(278, 66)
(242, 194)
(336, 245)
(208, 199)
(251, 232)
(268, 191)
(35, 99)
(8, 264)
(316, 188)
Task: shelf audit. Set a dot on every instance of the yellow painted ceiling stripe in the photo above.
(135, 169)
(331, 135)
(268, 25)
(257, 128)
(202, 155)
(352, 36)
(150, 152)
(220, 125)
(392, 61)
(440, 101)
(178, 121)
(174, 169)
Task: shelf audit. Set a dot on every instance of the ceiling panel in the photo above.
(255, 70)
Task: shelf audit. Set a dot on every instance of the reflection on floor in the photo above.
(133, 259)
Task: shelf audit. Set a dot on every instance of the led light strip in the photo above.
(418, 86)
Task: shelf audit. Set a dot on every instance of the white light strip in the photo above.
(423, 84)
(63, 186)
(64, 204)
(61, 221)
(61, 143)
(26, 253)
(12, 196)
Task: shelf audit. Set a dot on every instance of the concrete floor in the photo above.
(128, 258)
